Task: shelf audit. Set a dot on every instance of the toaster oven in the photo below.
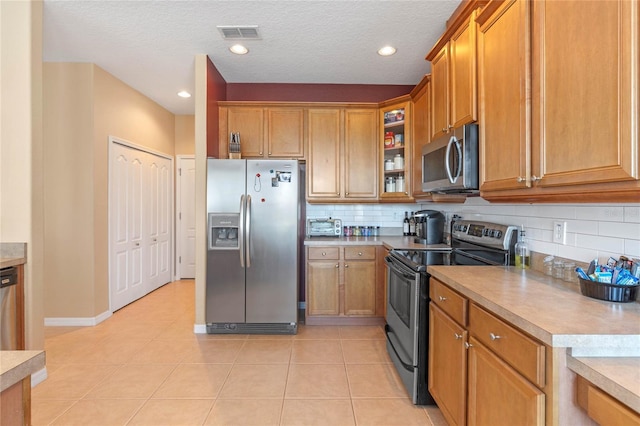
(327, 227)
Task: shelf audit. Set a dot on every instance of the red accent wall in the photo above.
(216, 91)
(293, 92)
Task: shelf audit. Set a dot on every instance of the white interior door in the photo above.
(140, 199)
(186, 214)
(125, 205)
(158, 223)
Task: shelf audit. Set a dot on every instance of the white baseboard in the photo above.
(78, 321)
(38, 377)
(200, 328)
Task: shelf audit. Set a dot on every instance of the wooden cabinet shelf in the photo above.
(395, 183)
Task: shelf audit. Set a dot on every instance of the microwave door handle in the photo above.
(248, 225)
(241, 232)
(460, 159)
(447, 165)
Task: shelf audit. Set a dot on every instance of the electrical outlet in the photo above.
(560, 232)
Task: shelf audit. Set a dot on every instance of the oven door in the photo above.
(402, 316)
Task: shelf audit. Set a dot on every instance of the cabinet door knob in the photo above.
(457, 336)
(137, 244)
(269, 153)
(467, 345)
(338, 194)
(346, 193)
(535, 178)
(346, 266)
(494, 336)
(520, 179)
(260, 152)
(442, 298)
(337, 266)
(450, 126)
(444, 130)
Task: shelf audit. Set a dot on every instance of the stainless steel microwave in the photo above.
(450, 163)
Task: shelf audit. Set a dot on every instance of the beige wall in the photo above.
(185, 135)
(21, 193)
(84, 105)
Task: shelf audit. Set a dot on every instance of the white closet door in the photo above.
(187, 218)
(140, 203)
(158, 223)
(126, 215)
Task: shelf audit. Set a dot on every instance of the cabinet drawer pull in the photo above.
(457, 336)
(494, 336)
(324, 253)
(359, 253)
(467, 345)
(442, 298)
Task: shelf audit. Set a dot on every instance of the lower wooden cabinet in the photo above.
(498, 394)
(482, 370)
(448, 365)
(602, 407)
(343, 285)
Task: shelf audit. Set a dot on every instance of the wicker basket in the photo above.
(609, 292)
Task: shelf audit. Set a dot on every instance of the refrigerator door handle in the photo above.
(248, 225)
(241, 232)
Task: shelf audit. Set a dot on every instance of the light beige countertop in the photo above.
(6, 262)
(551, 310)
(16, 365)
(618, 376)
(602, 338)
(390, 242)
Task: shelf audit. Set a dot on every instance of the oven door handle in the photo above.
(388, 330)
(397, 268)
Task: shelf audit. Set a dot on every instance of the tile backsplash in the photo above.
(593, 230)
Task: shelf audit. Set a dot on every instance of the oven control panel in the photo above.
(485, 233)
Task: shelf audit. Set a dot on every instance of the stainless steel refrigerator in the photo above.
(253, 251)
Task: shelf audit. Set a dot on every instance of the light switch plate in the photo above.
(559, 232)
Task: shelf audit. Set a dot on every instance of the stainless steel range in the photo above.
(407, 328)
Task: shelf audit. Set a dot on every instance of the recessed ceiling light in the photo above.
(184, 94)
(386, 51)
(238, 49)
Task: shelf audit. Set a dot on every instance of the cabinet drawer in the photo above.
(449, 301)
(329, 253)
(602, 407)
(523, 353)
(360, 252)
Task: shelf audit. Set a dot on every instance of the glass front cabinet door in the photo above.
(395, 116)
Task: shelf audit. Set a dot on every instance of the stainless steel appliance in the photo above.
(253, 250)
(450, 163)
(8, 309)
(407, 327)
(429, 227)
(324, 227)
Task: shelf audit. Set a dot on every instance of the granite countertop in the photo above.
(16, 365)
(390, 242)
(12, 254)
(603, 338)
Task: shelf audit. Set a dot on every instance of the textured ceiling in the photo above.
(150, 45)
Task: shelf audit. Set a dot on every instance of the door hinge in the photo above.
(179, 171)
(179, 259)
(179, 215)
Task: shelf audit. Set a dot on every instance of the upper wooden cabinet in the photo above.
(559, 127)
(273, 131)
(395, 149)
(342, 155)
(421, 135)
(454, 75)
(504, 84)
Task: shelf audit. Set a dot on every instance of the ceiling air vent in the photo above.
(234, 32)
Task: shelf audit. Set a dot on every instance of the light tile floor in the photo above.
(145, 366)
